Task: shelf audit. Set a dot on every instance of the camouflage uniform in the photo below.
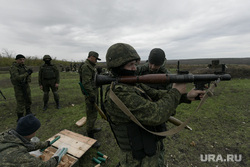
(20, 79)
(150, 114)
(88, 72)
(48, 77)
(14, 151)
(138, 147)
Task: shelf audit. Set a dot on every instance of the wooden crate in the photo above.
(66, 161)
(76, 143)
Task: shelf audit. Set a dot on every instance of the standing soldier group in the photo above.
(20, 76)
(151, 106)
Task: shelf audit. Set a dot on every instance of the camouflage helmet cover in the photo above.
(46, 57)
(119, 54)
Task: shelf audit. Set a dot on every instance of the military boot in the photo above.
(96, 144)
(96, 130)
(28, 111)
(19, 115)
(45, 106)
(57, 104)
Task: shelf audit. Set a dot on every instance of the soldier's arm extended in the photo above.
(38, 145)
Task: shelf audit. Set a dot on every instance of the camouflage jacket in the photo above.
(144, 69)
(14, 151)
(19, 74)
(151, 113)
(48, 72)
(88, 72)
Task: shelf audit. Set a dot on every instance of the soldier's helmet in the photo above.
(119, 54)
(46, 57)
(156, 56)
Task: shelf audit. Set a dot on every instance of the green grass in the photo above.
(221, 126)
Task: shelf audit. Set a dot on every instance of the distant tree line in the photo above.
(7, 58)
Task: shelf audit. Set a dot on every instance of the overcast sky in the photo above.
(69, 29)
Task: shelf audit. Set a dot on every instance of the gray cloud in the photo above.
(70, 29)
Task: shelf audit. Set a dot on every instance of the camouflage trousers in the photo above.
(158, 160)
(47, 85)
(23, 98)
(91, 113)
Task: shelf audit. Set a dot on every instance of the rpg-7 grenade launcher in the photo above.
(201, 81)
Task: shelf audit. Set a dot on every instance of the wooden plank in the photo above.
(81, 121)
(77, 144)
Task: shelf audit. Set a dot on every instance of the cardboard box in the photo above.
(77, 145)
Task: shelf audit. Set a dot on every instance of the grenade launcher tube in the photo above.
(161, 78)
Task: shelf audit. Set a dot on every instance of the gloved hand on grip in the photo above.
(29, 71)
(48, 142)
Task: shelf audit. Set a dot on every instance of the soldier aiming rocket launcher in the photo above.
(201, 82)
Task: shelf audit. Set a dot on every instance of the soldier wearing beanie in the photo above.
(20, 77)
(156, 64)
(15, 145)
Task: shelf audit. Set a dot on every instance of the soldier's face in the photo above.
(153, 67)
(93, 59)
(130, 66)
(20, 61)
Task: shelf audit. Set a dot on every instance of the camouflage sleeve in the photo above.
(23, 158)
(57, 74)
(15, 75)
(39, 145)
(148, 112)
(31, 161)
(153, 93)
(87, 80)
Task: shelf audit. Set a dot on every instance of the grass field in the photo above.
(220, 127)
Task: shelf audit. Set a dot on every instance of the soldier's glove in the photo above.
(92, 99)
(48, 142)
(29, 71)
(56, 158)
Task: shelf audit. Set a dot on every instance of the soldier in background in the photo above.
(15, 145)
(49, 78)
(216, 67)
(20, 77)
(151, 107)
(155, 65)
(87, 73)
